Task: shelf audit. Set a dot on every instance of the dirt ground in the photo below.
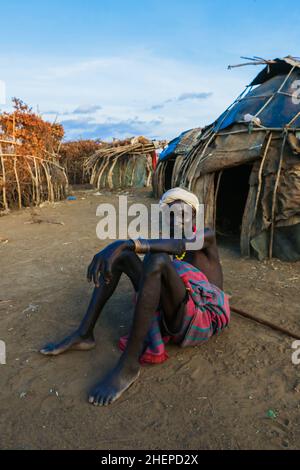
(238, 391)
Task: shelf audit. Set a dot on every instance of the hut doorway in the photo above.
(231, 200)
(169, 173)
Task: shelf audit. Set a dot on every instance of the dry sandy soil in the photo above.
(215, 396)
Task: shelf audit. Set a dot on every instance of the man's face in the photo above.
(181, 215)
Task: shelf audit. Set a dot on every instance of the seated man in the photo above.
(179, 299)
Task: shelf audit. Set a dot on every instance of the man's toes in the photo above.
(91, 399)
(110, 399)
(101, 399)
(106, 400)
(96, 399)
(47, 349)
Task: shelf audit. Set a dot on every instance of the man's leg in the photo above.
(83, 339)
(160, 283)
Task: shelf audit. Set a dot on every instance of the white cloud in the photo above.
(87, 109)
(128, 88)
(2, 92)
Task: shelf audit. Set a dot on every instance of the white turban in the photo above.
(180, 194)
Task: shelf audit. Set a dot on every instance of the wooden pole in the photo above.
(14, 126)
(265, 323)
(216, 198)
(260, 172)
(4, 180)
(274, 197)
(18, 183)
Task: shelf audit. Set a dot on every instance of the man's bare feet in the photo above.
(114, 384)
(72, 342)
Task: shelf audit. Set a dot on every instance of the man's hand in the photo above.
(102, 263)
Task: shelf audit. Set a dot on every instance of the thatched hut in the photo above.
(167, 173)
(245, 167)
(122, 164)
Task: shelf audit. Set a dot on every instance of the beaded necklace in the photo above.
(180, 258)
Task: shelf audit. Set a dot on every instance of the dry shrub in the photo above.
(72, 157)
(29, 167)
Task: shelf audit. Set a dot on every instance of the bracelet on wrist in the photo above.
(141, 246)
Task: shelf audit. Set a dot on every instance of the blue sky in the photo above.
(121, 68)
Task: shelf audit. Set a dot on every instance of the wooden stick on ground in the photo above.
(265, 323)
(5, 204)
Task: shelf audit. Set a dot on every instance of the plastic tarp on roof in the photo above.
(281, 109)
(278, 67)
(170, 149)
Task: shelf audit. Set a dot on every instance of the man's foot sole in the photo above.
(56, 349)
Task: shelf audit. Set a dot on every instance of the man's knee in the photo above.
(127, 259)
(155, 262)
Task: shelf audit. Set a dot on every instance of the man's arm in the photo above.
(209, 238)
(170, 246)
(103, 261)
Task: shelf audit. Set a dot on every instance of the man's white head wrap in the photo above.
(180, 194)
